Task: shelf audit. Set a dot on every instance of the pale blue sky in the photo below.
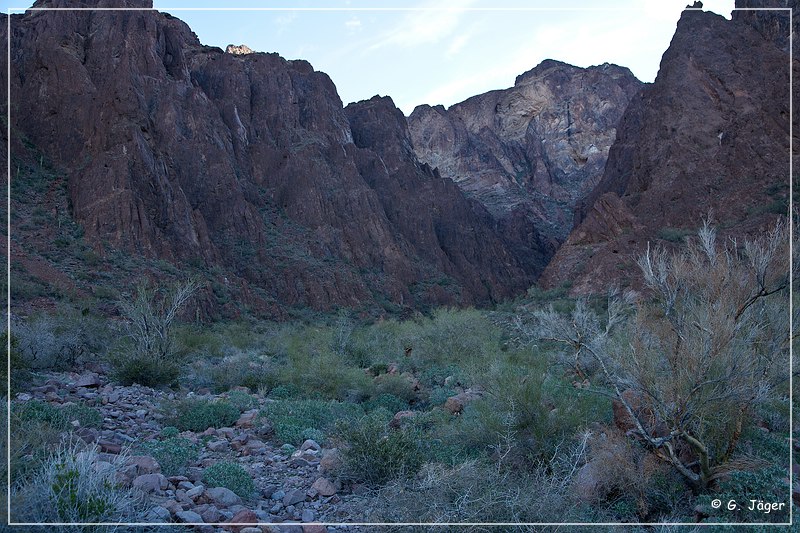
(441, 51)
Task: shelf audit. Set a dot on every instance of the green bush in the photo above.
(284, 392)
(242, 401)
(199, 415)
(390, 402)
(85, 415)
(294, 420)
(145, 371)
(231, 476)
(374, 454)
(73, 486)
(169, 432)
(173, 453)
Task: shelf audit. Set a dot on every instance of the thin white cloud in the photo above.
(353, 25)
(436, 21)
(457, 44)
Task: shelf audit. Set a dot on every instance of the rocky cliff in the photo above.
(244, 166)
(530, 152)
(710, 137)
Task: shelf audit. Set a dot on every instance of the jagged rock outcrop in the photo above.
(530, 152)
(709, 136)
(245, 164)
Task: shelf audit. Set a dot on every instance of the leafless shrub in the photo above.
(700, 351)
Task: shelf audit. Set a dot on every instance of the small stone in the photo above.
(278, 495)
(24, 397)
(195, 492)
(324, 487)
(249, 529)
(331, 460)
(109, 447)
(316, 528)
(145, 464)
(151, 482)
(294, 496)
(211, 515)
(223, 497)
(247, 419)
(307, 515)
(87, 380)
(189, 517)
(159, 514)
(218, 445)
(310, 444)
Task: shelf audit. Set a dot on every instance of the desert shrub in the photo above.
(20, 370)
(284, 392)
(75, 486)
(318, 372)
(36, 429)
(390, 402)
(151, 357)
(231, 476)
(241, 400)
(169, 432)
(199, 415)
(145, 371)
(375, 454)
(439, 395)
(702, 351)
(61, 341)
(235, 370)
(397, 386)
(85, 415)
(294, 420)
(628, 481)
(474, 491)
(524, 402)
(173, 453)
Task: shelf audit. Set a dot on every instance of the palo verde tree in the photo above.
(690, 358)
(150, 316)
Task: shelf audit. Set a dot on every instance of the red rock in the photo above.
(717, 161)
(245, 516)
(324, 487)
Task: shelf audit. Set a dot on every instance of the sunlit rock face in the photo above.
(531, 152)
(709, 138)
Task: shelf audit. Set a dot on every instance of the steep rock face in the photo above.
(454, 235)
(709, 136)
(240, 162)
(529, 153)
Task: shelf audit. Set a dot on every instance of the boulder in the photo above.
(223, 497)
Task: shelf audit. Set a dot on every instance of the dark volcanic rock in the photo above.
(245, 163)
(710, 135)
(529, 153)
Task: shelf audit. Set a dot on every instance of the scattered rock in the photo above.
(88, 380)
(145, 464)
(223, 497)
(455, 404)
(294, 496)
(188, 517)
(324, 487)
(151, 482)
